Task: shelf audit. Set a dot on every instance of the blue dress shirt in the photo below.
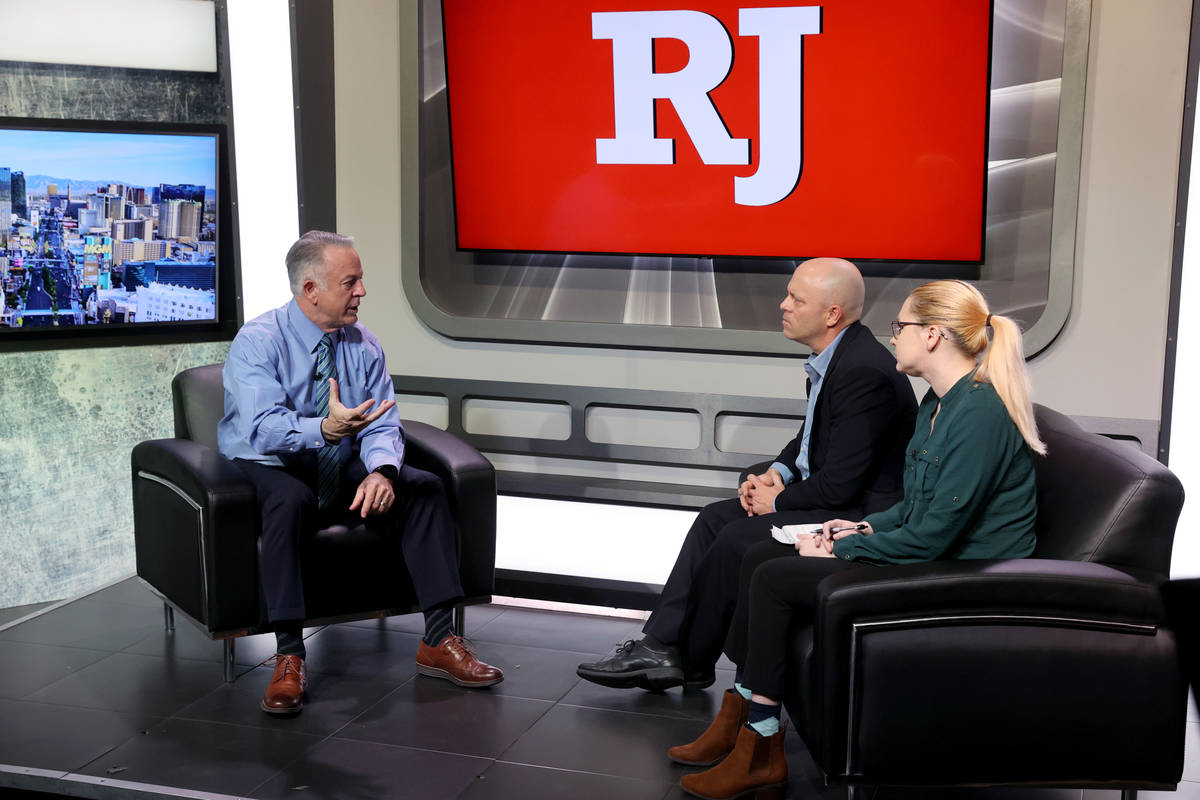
(816, 366)
(270, 404)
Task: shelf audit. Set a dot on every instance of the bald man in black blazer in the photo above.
(846, 462)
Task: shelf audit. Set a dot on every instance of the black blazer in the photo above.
(861, 424)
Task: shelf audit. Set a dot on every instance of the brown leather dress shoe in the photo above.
(720, 737)
(455, 661)
(757, 764)
(285, 692)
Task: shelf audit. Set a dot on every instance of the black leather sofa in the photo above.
(196, 528)
(1056, 670)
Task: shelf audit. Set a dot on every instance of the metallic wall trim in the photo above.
(313, 90)
(720, 340)
(1141, 433)
(1066, 179)
(1183, 184)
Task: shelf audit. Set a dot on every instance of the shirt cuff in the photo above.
(310, 430)
(846, 547)
(787, 475)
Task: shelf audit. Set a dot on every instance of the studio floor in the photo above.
(97, 700)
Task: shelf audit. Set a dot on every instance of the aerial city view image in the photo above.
(106, 228)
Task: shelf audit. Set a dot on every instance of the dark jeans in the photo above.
(700, 595)
(287, 501)
(776, 597)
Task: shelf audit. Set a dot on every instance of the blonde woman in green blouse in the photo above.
(969, 492)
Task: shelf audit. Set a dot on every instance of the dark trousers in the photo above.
(777, 595)
(287, 500)
(700, 595)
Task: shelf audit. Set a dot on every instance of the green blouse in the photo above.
(969, 488)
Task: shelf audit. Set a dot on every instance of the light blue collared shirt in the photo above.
(816, 366)
(270, 408)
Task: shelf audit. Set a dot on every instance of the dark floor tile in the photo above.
(135, 684)
(13, 613)
(531, 671)
(982, 793)
(504, 781)
(606, 742)
(88, 623)
(1186, 790)
(477, 617)
(376, 654)
(339, 768)
(60, 737)
(330, 702)
(27, 667)
(701, 705)
(188, 641)
(205, 756)
(435, 715)
(131, 591)
(804, 779)
(557, 630)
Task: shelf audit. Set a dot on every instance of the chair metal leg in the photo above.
(459, 620)
(1129, 794)
(228, 660)
(169, 618)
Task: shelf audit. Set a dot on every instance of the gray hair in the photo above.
(306, 258)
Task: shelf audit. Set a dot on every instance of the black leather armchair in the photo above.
(196, 528)
(1056, 670)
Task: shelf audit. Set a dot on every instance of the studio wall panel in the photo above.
(68, 418)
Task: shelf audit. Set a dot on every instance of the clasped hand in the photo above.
(758, 492)
(342, 422)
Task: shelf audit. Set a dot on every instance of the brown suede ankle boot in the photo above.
(757, 764)
(716, 742)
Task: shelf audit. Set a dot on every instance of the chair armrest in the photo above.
(196, 528)
(1030, 586)
(973, 653)
(470, 483)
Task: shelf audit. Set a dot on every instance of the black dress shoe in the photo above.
(636, 665)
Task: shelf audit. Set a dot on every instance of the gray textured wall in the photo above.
(68, 418)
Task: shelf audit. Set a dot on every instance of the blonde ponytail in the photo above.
(959, 309)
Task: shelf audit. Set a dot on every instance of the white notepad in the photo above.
(789, 533)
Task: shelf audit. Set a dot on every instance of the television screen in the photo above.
(720, 128)
(109, 224)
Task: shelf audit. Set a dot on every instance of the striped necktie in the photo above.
(328, 462)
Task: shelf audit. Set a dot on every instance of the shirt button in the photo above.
(847, 557)
(924, 452)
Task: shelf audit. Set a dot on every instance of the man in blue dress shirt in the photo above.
(310, 417)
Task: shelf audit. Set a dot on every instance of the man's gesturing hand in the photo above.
(343, 422)
(374, 496)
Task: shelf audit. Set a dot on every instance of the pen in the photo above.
(862, 526)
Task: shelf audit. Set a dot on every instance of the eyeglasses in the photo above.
(898, 327)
